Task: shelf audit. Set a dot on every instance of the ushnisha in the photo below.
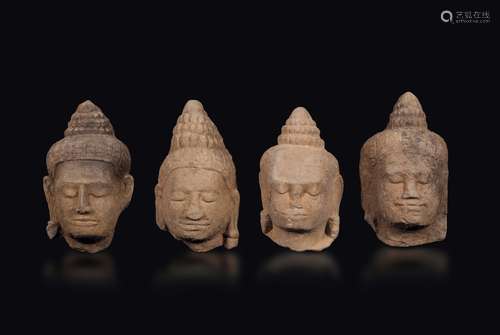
(197, 199)
(404, 178)
(89, 184)
(301, 187)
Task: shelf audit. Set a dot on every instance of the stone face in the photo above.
(197, 199)
(404, 178)
(89, 184)
(301, 187)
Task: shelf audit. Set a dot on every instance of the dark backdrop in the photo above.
(250, 67)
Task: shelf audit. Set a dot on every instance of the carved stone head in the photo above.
(404, 178)
(197, 199)
(89, 184)
(301, 187)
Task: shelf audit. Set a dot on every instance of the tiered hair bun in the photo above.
(407, 113)
(89, 136)
(194, 129)
(300, 129)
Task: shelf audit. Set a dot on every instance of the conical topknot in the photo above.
(300, 129)
(194, 129)
(89, 119)
(407, 113)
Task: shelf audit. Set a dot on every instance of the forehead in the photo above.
(298, 165)
(399, 162)
(84, 171)
(195, 179)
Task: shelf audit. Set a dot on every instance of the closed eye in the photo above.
(314, 189)
(69, 192)
(177, 196)
(100, 190)
(423, 178)
(280, 188)
(209, 197)
(395, 178)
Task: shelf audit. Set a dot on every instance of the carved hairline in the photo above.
(372, 153)
(117, 171)
(164, 176)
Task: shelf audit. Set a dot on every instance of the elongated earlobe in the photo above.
(128, 181)
(231, 235)
(159, 221)
(265, 222)
(332, 226)
(52, 226)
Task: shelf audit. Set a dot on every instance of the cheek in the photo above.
(429, 192)
(312, 204)
(65, 206)
(173, 208)
(106, 207)
(431, 196)
(389, 193)
(219, 210)
(280, 201)
(391, 190)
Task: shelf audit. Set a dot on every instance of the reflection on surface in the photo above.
(415, 266)
(199, 270)
(81, 271)
(297, 269)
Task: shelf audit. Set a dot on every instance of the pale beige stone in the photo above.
(404, 178)
(301, 187)
(197, 199)
(89, 184)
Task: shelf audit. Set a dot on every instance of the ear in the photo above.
(128, 189)
(333, 224)
(231, 235)
(265, 219)
(52, 225)
(266, 224)
(159, 221)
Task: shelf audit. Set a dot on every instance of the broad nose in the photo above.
(296, 196)
(83, 201)
(410, 190)
(194, 211)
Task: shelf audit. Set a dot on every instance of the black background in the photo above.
(249, 66)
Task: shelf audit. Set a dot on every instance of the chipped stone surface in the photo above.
(89, 184)
(301, 187)
(404, 178)
(197, 199)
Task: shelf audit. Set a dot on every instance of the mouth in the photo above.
(84, 222)
(294, 215)
(194, 225)
(407, 226)
(411, 206)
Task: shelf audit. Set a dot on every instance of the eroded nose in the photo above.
(83, 201)
(194, 211)
(410, 190)
(295, 197)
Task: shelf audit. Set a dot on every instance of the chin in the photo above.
(293, 225)
(409, 223)
(194, 236)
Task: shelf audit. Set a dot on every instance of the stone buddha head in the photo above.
(404, 178)
(89, 184)
(197, 199)
(301, 187)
